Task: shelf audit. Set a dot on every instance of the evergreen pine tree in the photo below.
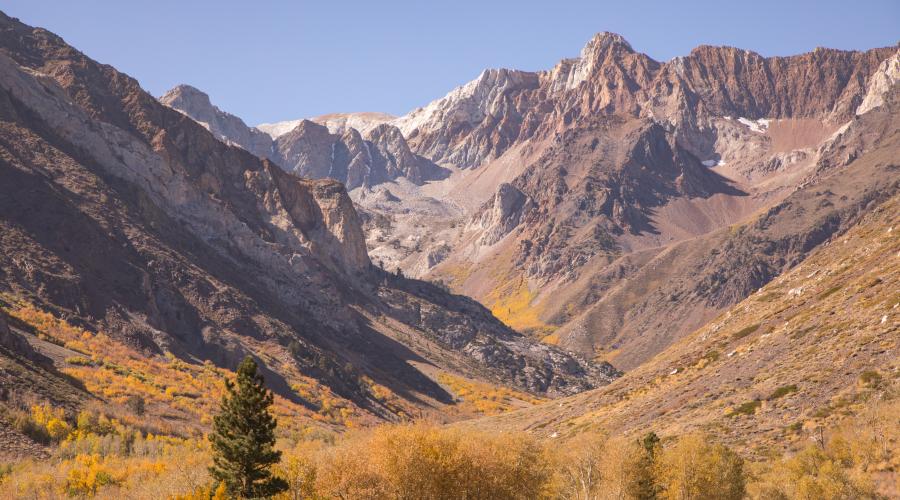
(643, 486)
(244, 435)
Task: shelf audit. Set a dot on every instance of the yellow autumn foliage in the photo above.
(425, 461)
(437, 462)
(483, 398)
(697, 468)
(107, 451)
(118, 373)
(513, 304)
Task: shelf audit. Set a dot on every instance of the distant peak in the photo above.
(606, 40)
(499, 73)
(185, 92)
(184, 88)
(705, 49)
(305, 126)
(569, 73)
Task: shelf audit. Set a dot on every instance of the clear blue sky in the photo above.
(277, 60)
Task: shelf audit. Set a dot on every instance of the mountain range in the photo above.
(122, 215)
(612, 204)
(645, 243)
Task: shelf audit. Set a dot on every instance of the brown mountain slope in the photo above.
(125, 216)
(642, 301)
(811, 347)
(613, 235)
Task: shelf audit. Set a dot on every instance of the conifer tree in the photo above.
(643, 486)
(243, 437)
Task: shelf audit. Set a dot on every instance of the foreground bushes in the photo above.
(421, 461)
(690, 467)
(427, 462)
(695, 468)
(42, 423)
(859, 459)
(102, 458)
(95, 454)
(177, 470)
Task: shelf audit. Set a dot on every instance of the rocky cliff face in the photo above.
(225, 126)
(473, 122)
(311, 150)
(502, 214)
(614, 166)
(130, 217)
(485, 117)
(881, 84)
(727, 81)
(357, 149)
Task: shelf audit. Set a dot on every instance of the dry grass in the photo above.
(481, 398)
(792, 359)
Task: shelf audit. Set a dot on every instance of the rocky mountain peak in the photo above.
(312, 150)
(478, 121)
(305, 127)
(602, 47)
(358, 149)
(184, 94)
(605, 41)
(228, 128)
(386, 132)
(468, 104)
(473, 121)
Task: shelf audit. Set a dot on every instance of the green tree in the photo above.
(643, 485)
(244, 435)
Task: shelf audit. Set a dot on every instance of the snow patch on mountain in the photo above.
(338, 123)
(278, 129)
(758, 126)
